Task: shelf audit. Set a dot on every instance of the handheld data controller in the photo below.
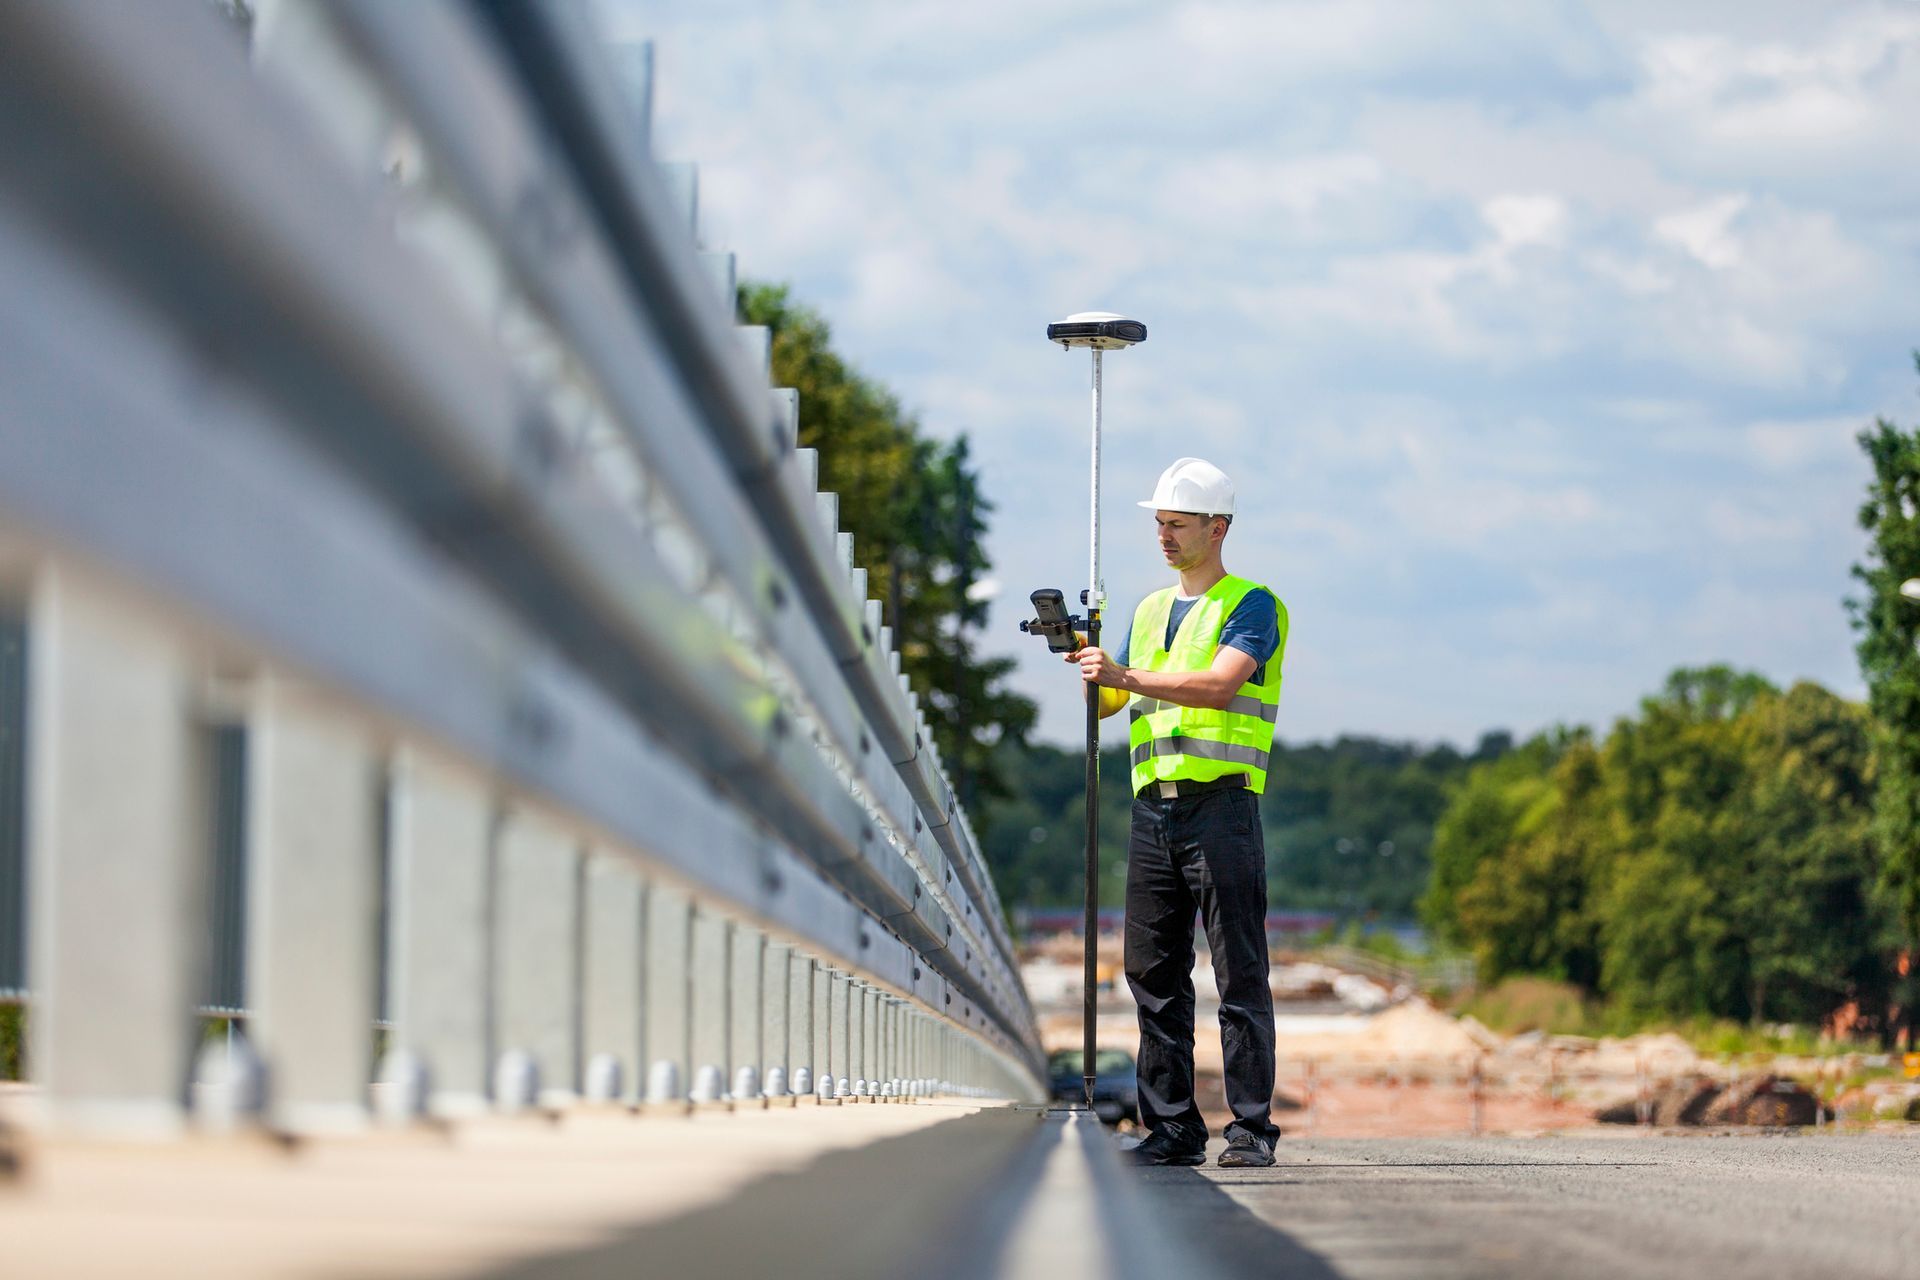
(1059, 628)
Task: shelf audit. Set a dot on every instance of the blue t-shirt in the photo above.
(1253, 628)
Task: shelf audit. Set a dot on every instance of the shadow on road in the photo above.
(1225, 1232)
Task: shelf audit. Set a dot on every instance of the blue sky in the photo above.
(1535, 335)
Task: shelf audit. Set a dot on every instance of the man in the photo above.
(1199, 671)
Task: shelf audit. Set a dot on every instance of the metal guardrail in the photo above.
(409, 554)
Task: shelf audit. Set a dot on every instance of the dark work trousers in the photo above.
(1201, 852)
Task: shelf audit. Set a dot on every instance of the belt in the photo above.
(1188, 787)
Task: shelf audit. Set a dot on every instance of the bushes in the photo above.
(1514, 1005)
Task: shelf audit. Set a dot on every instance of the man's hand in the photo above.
(1097, 667)
(1100, 677)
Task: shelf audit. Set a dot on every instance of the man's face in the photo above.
(1185, 538)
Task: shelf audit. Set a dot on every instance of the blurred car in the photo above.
(1115, 1095)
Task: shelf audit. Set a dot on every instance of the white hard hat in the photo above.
(1195, 485)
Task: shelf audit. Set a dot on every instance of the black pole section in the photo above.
(1088, 1009)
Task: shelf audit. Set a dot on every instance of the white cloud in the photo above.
(1520, 220)
(1823, 96)
(1823, 91)
(1705, 231)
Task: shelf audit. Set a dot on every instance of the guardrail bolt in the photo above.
(663, 1082)
(840, 1089)
(516, 1080)
(746, 1083)
(605, 1078)
(802, 1080)
(709, 1085)
(776, 1082)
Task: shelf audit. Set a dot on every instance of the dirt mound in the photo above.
(1415, 1029)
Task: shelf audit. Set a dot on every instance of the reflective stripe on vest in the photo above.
(1168, 741)
(1199, 749)
(1240, 704)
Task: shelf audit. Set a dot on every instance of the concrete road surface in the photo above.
(1692, 1207)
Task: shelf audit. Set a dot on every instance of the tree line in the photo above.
(1712, 856)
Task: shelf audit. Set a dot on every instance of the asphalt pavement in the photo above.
(1640, 1205)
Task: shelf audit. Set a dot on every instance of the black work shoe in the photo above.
(1162, 1148)
(1244, 1151)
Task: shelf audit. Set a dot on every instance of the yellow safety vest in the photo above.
(1168, 741)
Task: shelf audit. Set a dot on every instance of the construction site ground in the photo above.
(1356, 1060)
(1332, 1090)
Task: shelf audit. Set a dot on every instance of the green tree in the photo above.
(1532, 907)
(1680, 772)
(1889, 628)
(918, 517)
(1749, 888)
(1807, 912)
(1480, 822)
